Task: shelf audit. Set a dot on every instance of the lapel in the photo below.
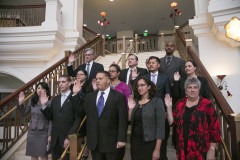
(94, 97)
(108, 102)
(134, 110)
(125, 71)
(172, 63)
(158, 79)
(163, 64)
(66, 102)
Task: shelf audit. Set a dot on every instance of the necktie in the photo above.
(88, 69)
(153, 78)
(63, 99)
(130, 78)
(100, 104)
(168, 61)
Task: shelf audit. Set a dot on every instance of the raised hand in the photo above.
(176, 76)
(43, 98)
(94, 84)
(21, 97)
(134, 73)
(168, 101)
(71, 58)
(77, 87)
(131, 102)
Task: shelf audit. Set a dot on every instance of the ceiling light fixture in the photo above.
(104, 21)
(85, 25)
(175, 13)
(146, 31)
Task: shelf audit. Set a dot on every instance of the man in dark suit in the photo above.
(171, 64)
(159, 79)
(90, 66)
(107, 120)
(64, 115)
(133, 72)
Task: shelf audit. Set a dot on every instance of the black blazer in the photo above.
(96, 67)
(162, 85)
(65, 119)
(111, 127)
(176, 64)
(123, 74)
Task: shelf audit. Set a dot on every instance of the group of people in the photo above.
(167, 93)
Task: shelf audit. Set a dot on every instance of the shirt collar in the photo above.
(67, 93)
(90, 63)
(105, 91)
(154, 73)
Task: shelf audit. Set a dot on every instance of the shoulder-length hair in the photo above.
(35, 96)
(152, 91)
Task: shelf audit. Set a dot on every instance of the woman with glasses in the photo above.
(147, 115)
(116, 84)
(86, 87)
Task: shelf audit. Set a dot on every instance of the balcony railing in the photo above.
(19, 16)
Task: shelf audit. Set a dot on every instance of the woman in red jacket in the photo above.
(197, 124)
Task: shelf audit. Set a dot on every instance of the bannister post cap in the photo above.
(73, 136)
(236, 116)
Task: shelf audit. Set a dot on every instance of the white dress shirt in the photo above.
(105, 96)
(90, 66)
(64, 96)
(128, 73)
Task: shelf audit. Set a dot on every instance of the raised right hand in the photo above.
(131, 102)
(77, 87)
(176, 76)
(71, 58)
(168, 101)
(21, 97)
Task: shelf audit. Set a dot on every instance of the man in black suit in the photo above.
(171, 64)
(130, 74)
(107, 120)
(64, 115)
(90, 66)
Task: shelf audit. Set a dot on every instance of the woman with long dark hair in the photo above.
(147, 115)
(39, 132)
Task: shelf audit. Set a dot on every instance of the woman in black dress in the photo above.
(147, 117)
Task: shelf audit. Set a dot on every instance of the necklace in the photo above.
(114, 85)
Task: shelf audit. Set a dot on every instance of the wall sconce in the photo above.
(232, 29)
(223, 84)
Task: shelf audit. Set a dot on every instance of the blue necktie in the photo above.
(100, 104)
(88, 69)
(153, 78)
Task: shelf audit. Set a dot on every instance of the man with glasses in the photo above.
(90, 66)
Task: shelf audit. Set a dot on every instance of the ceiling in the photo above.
(124, 15)
(136, 15)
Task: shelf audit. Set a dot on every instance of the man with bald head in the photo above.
(171, 64)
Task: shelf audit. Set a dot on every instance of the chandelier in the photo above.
(174, 13)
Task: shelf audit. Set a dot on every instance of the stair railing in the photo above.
(230, 134)
(13, 126)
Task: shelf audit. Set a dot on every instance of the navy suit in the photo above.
(96, 67)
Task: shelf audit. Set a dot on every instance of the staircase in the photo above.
(14, 127)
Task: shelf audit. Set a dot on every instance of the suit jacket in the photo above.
(96, 67)
(38, 120)
(123, 74)
(111, 127)
(65, 118)
(162, 85)
(176, 64)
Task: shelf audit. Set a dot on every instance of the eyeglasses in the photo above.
(112, 71)
(87, 55)
(141, 85)
(80, 74)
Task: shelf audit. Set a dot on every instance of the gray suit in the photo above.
(176, 64)
(39, 129)
(153, 119)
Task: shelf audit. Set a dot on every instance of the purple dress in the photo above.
(124, 89)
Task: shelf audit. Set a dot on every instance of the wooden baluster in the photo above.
(75, 145)
(136, 43)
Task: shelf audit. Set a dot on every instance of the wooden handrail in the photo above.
(89, 30)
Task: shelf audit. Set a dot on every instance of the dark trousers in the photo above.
(163, 149)
(117, 155)
(57, 151)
